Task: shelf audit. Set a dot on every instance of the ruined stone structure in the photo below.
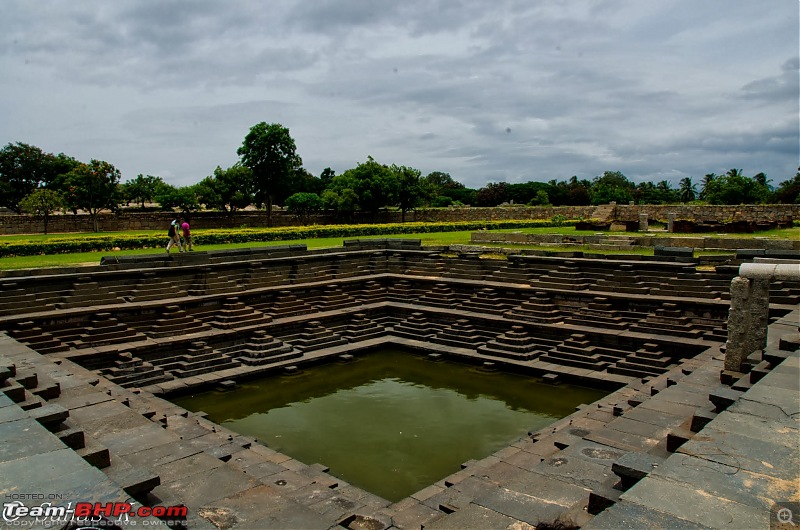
(89, 355)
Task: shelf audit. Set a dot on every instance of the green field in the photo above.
(434, 238)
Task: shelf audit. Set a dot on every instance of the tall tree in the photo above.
(94, 187)
(22, 168)
(270, 152)
(762, 180)
(410, 192)
(708, 178)
(687, 190)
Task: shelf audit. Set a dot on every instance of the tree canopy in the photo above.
(142, 189)
(23, 168)
(94, 187)
(270, 153)
(43, 203)
(228, 189)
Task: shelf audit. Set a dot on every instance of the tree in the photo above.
(184, 198)
(22, 168)
(59, 166)
(541, 199)
(612, 186)
(301, 181)
(94, 187)
(687, 190)
(270, 152)
(410, 192)
(439, 186)
(735, 188)
(303, 205)
(142, 189)
(43, 203)
(788, 191)
(461, 195)
(575, 192)
(525, 192)
(493, 194)
(375, 186)
(708, 178)
(343, 202)
(762, 180)
(228, 189)
(326, 176)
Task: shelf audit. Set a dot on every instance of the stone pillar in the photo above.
(759, 313)
(643, 226)
(736, 348)
(748, 318)
(670, 221)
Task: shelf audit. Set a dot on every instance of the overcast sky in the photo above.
(500, 90)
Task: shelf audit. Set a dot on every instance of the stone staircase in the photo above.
(605, 213)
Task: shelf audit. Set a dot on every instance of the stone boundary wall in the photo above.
(758, 213)
(25, 224)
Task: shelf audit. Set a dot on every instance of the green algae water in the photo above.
(390, 422)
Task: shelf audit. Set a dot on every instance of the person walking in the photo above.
(174, 236)
(187, 235)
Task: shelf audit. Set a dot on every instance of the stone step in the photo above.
(137, 481)
(634, 466)
(50, 415)
(258, 361)
(95, 454)
(73, 437)
(701, 418)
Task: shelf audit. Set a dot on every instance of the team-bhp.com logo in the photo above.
(88, 514)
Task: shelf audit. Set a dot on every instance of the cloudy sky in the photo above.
(501, 90)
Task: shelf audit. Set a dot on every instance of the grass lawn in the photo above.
(93, 258)
(435, 238)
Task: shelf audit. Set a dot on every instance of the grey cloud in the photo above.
(647, 88)
(785, 86)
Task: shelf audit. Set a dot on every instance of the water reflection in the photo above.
(390, 422)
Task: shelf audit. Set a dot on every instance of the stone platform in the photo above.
(678, 442)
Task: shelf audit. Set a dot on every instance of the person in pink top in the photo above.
(187, 235)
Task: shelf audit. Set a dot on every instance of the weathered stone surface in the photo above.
(689, 503)
(474, 517)
(592, 336)
(629, 515)
(25, 437)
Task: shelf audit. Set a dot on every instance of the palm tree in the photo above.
(687, 190)
(762, 180)
(707, 180)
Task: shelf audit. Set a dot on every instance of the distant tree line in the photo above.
(270, 172)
